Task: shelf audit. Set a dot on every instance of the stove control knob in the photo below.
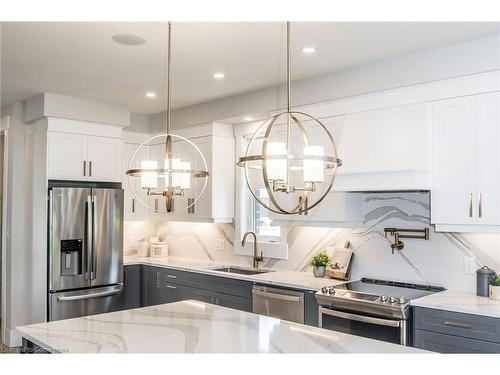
(392, 299)
(401, 300)
(324, 290)
(331, 291)
(383, 298)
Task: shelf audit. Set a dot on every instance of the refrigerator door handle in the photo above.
(88, 238)
(94, 237)
(91, 295)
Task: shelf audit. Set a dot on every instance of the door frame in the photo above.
(4, 130)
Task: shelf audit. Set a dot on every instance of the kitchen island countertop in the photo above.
(194, 327)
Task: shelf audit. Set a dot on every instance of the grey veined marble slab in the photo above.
(194, 327)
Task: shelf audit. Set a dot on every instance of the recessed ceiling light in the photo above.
(248, 118)
(308, 50)
(150, 95)
(129, 39)
(219, 75)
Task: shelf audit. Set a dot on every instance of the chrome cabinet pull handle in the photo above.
(457, 324)
(480, 208)
(133, 205)
(84, 168)
(469, 202)
(171, 287)
(172, 276)
(90, 168)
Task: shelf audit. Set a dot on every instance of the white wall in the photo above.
(440, 63)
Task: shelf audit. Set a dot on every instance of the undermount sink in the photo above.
(240, 270)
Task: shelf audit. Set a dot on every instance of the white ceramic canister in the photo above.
(142, 250)
(158, 249)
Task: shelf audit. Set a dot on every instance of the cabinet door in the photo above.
(66, 156)
(311, 309)
(454, 162)
(152, 291)
(104, 159)
(133, 209)
(233, 302)
(130, 296)
(488, 159)
(203, 208)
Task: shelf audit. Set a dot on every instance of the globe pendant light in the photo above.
(293, 156)
(170, 176)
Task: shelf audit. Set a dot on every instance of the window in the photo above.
(262, 223)
(251, 216)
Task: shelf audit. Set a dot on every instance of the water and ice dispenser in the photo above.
(71, 257)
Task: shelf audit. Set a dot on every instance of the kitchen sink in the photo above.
(240, 270)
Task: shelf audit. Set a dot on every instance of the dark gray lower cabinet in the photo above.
(163, 285)
(452, 332)
(149, 285)
(152, 292)
(441, 343)
(130, 297)
(310, 308)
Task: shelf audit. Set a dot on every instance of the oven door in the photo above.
(394, 331)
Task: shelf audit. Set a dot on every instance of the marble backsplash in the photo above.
(439, 261)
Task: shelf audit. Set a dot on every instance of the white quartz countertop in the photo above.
(463, 302)
(194, 327)
(291, 279)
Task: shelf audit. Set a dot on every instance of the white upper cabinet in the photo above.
(488, 158)
(387, 149)
(81, 151)
(454, 171)
(466, 164)
(134, 209)
(67, 156)
(104, 158)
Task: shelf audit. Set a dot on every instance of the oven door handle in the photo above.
(361, 318)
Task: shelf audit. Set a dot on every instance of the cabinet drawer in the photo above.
(177, 292)
(458, 324)
(208, 282)
(441, 343)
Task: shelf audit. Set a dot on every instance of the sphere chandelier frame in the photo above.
(174, 172)
(282, 185)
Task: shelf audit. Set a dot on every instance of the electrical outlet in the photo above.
(220, 244)
(469, 264)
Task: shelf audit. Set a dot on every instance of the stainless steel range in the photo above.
(377, 309)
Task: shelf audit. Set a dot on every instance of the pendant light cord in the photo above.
(168, 77)
(288, 68)
(288, 104)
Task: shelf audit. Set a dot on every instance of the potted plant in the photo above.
(319, 263)
(495, 287)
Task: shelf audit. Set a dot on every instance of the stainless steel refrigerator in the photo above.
(85, 227)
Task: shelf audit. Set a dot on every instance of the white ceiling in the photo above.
(80, 59)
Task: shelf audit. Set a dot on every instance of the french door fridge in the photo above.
(85, 250)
